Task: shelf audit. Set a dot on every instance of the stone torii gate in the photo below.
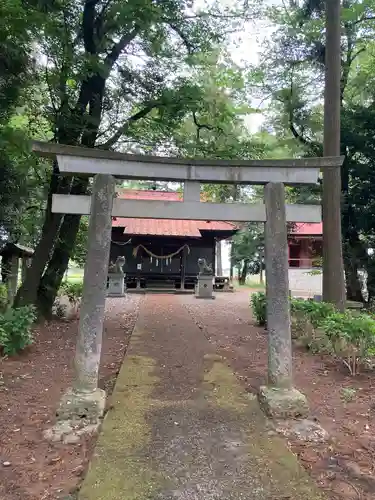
(279, 398)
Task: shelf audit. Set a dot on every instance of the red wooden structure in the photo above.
(305, 245)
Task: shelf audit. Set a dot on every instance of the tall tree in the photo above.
(292, 73)
(109, 65)
(333, 267)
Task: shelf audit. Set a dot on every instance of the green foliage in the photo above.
(72, 290)
(16, 329)
(3, 297)
(317, 325)
(80, 248)
(259, 307)
(352, 338)
(316, 312)
(348, 336)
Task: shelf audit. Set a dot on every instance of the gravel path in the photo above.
(181, 427)
(344, 465)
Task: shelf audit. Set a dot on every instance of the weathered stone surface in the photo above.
(78, 406)
(303, 430)
(116, 285)
(89, 342)
(70, 432)
(204, 287)
(278, 311)
(283, 403)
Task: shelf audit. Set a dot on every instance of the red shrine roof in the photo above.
(307, 229)
(164, 227)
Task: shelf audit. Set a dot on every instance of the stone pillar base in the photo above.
(78, 414)
(81, 406)
(283, 403)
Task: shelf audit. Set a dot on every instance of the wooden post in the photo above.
(183, 268)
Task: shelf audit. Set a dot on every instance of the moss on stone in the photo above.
(275, 463)
(116, 467)
(223, 389)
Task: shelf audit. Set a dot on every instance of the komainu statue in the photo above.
(205, 269)
(117, 267)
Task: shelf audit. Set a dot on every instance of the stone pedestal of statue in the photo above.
(205, 286)
(116, 285)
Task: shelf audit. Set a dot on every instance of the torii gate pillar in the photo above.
(279, 399)
(85, 400)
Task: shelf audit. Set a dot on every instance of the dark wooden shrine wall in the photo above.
(143, 264)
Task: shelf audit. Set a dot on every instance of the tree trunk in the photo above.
(353, 285)
(5, 268)
(244, 272)
(354, 255)
(49, 285)
(27, 293)
(58, 264)
(219, 260)
(333, 268)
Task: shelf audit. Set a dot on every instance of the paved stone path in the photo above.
(182, 428)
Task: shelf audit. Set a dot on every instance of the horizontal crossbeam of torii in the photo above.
(89, 161)
(185, 210)
(279, 397)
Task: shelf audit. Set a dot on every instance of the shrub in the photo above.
(259, 307)
(73, 291)
(16, 329)
(352, 338)
(316, 312)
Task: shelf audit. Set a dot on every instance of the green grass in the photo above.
(74, 275)
(251, 284)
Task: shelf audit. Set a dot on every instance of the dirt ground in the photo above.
(30, 389)
(344, 406)
(31, 385)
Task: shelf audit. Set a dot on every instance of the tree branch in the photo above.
(189, 46)
(88, 23)
(200, 126)
(363, 19)
(356, 54)
(125, 127)
(118, 47)
(99, 21)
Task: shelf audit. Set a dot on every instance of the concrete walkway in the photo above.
(182, 428)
